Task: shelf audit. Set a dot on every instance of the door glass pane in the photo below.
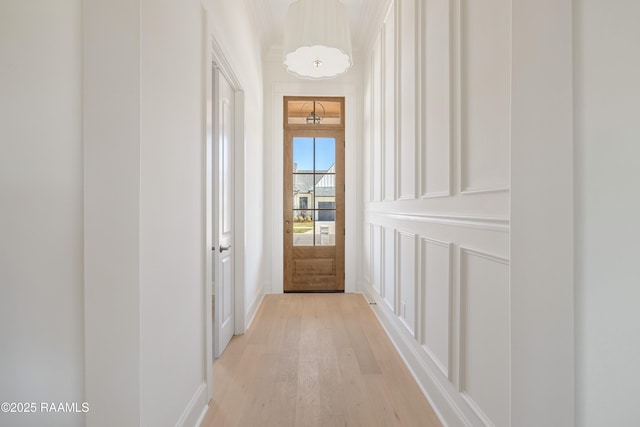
(307, 112)
(303, 197)
(325, 191)
(298, 111)
(328, 112)
(303, 226)
(302, 154)
(325, 154)
(325, 228)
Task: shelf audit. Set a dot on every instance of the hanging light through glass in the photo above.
(317, 43)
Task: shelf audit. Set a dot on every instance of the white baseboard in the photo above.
(449, 413)
(196, 409)
(253, 308)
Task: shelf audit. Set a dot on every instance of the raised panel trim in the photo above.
(376, 168)
(368, 134)
(377, 263)
(394, 7)
(416, 282)
(438, 194)
(485, 223)
(460, 113)
(480, 190)
(367, 271)
(462, 253)
(397, 99)
(424, 241)
(385, 286)
(400, 31)
(421, 57)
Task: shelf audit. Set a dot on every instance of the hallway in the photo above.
(491, 167)
(315, 360)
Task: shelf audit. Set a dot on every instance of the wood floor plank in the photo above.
(315, 360)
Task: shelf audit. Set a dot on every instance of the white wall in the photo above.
(145, 70)
(171, 210)
(111, 132)
(466, 145)
(542, 217)
(41, 302)
(102, 265)
(607, 211)
(236, 32)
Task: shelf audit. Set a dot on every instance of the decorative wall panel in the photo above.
(485, 64)
(436, 301)
(389, 267)
(406, 107)
(368, 261)
(407, 279)
(437, 131)
(367, 122)
(484, 335)
(436, 99)
(376, 258)
(376, 137)
(389, 60)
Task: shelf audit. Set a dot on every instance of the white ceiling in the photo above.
(365, 17)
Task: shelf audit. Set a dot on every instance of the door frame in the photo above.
(311, 131)
(352, 195)
(215, 57)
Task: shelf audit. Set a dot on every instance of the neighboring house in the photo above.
(312, 192)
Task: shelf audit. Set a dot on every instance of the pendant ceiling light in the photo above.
(317, 44)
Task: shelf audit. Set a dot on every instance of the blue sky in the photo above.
(303, 153)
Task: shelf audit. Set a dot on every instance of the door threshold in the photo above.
(315, 291)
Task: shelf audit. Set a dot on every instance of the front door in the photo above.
(314, 195)
(222, 221)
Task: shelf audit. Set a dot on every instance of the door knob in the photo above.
(224, 248)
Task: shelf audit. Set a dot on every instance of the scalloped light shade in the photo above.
(317, 43)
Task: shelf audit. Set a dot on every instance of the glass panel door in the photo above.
(314, 196)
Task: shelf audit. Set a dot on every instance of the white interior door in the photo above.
(223, 159)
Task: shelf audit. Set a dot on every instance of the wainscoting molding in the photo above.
(437, 114)
(390, 103)
(388, 249)
(377, 254)
(491, 134)
(406, 100)
(485, 223)
(438, 394)
(446, 307)
(407, 283)
(434, 53)
(484, 359)
(436, 302)
(376, 158)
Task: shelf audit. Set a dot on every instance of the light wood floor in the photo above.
(315, 360)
